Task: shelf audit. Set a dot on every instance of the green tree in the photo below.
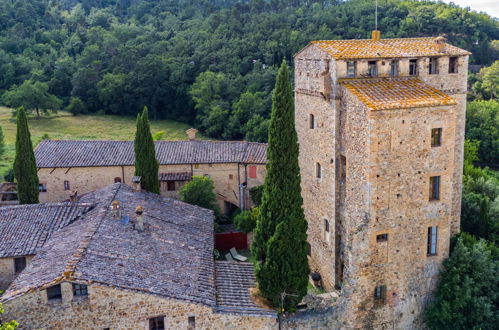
(482, 124)
(467, 295)
(76, 106)
(146, 164)
(280, 235)
(246, 220)
(25, 170)
(200, 191)
(2, 142)
(32, 95)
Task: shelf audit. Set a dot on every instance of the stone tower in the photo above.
(380, 124)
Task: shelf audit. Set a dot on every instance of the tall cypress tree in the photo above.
(146, 164)
(24, 163)
(280, 235)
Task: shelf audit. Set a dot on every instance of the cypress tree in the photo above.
(24, 163)
(146, 164)
(280, 235)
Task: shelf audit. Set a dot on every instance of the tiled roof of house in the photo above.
(24, 229)
(386, 48)
(233, 281)
(172, 258)
(175, 176)
(396, 93)
(69, 153)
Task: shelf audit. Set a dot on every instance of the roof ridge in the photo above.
(369, 39)
(50, 204)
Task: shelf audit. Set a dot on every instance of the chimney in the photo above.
(440, 43)
(116, 209)
(136, 183)
(139, 223)
(73, 197)
(191, 133)
(376, 35)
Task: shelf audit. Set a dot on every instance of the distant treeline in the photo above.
(208, 62)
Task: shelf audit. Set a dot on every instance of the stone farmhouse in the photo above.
(121, 258)
(380, 125)
(85, 166)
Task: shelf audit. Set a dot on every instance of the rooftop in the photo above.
(387, 48)
(396, 93)
(172, 257)
(71, 153)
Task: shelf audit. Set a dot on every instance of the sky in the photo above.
(491, 7)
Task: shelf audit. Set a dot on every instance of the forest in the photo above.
(209, 63)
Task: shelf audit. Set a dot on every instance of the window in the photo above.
(413, 67)
(326, 225)
(66, 185)
(117, 179)
(431, 248)
(42, 187)
(19, 264)
(191, 322)
(80, 289)
(318, 170)
(312, 121)
(452, 64)
(380, 293)
(231, 176)
(54, 292)
(433, 69)
(382, 237)
(372, 69)
(196, 165)
(170, 185)
(252, 172)
(394, 68)
(434, 188)
(351, 68)
(157, 323)
(436, 137)
(343, 169)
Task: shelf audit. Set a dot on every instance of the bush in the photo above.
(246, 220)
(256, 194)
(200, 192)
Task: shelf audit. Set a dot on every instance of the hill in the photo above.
(90, 127)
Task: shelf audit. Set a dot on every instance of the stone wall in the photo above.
(227, 178)
(7, 271)
(114, 308)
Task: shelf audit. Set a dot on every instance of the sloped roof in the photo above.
(386, 48)
(396, 93)
(234, 280)
(72, 153)
(24, 229)
(175, 176)
(173, 257)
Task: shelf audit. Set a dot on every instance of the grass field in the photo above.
(89, 127)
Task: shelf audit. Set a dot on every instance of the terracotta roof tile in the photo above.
(386, 48)
(69, 153)
(396, 93)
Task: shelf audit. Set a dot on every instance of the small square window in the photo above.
(157, 323)
(191, 322)
(54, 292)
(372, 68)
(231, 176)
(436, 137)
(42, 187)
(66, 185)
(434, 188)
(452, 64)
(19, 264)
(413, 67)
(80, 289)
(170, 185)
(380, 293)
(382, 237)
(351, 68)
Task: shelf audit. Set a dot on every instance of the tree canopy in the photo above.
(146, 164)
(32, 96)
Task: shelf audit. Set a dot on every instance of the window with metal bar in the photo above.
(432, 241)
(434, 188)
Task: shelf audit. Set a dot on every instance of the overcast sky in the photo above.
(491, 7)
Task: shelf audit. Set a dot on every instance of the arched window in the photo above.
(318, 173)
(117, 179)
(312, 121)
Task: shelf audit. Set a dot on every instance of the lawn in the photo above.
(89, 127)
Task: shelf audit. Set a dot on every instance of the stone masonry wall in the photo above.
(7, 271)
(114, 308)
(226, 176)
